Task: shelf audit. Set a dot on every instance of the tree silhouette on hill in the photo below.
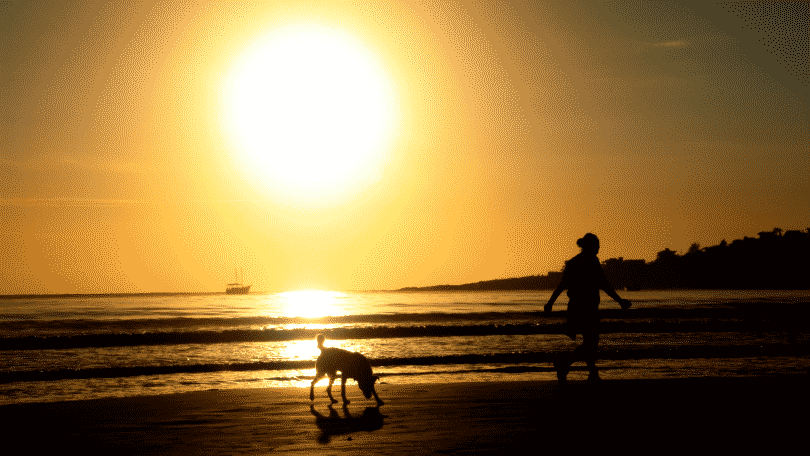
(776, 260)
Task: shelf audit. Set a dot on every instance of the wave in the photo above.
(13, 322)
(385, 332)
(16, 321)
(517, 360)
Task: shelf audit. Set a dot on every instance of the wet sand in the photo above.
(653, 416)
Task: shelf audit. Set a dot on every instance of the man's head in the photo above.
(589, 243)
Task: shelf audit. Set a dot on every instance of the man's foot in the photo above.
(573, 336)
(562, 369)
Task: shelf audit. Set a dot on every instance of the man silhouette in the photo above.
(583, 278)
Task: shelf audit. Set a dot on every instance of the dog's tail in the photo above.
(320, 338)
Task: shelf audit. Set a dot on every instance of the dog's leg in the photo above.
(343, 388)
(329, 388)
(379, 401)
(318, 376)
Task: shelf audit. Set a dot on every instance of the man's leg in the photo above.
(590, 346)
(588, 350)
(563, 361)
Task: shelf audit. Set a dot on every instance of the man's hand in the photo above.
(625, 304)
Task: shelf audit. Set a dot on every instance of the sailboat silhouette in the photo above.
(237, 287)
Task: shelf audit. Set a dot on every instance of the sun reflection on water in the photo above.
(299, 349)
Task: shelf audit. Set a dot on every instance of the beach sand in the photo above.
(652, 416)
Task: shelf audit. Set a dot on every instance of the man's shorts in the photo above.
(585, 323)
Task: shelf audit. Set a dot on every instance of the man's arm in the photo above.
(562, 286)
(624, 303)
(610, 290)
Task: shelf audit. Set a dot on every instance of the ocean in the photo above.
(55, 348)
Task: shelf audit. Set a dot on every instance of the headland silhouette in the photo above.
(775, 260)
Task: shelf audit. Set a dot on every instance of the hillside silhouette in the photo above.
(775, 260)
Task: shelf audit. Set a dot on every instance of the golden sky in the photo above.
(156, 146)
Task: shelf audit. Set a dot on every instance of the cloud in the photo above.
(68, 202)
(667, 44)
(65, 162)
(110, 202)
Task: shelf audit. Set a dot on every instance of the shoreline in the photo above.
(706, 413)
(115, 295)
(402, 290)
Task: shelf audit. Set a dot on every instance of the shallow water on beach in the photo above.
(69, 348)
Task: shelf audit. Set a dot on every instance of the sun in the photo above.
(310, 110)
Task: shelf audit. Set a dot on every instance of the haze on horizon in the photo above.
(388, 145)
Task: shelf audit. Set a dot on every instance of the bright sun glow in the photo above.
(312, 303)
(311, 110)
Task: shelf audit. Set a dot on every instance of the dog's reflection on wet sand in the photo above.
(370, 420)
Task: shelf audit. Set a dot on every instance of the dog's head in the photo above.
(366, 384)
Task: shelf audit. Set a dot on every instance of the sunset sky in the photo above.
(156, 146)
